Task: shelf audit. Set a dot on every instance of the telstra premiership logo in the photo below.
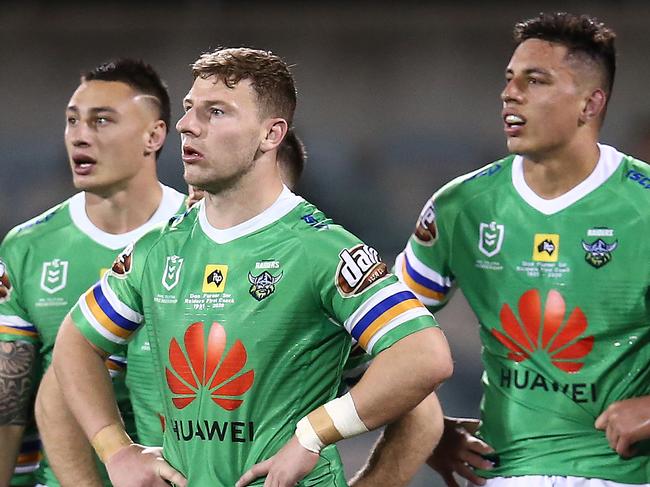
(208, 367)
(546, 332)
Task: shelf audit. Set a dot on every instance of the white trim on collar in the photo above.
(286, 202)
(170, 204)
(608, 163)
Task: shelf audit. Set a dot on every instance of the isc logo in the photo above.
(359, 268)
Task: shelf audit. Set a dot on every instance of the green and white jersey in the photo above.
(249, 328)
(45, 264)
(561, 291)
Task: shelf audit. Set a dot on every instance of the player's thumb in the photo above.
(256, 471)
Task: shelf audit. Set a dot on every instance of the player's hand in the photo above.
(285, 468)
(459, 451)
(624, 423)
(138, 466)
(194, 196)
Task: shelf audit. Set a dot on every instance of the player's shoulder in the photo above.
(635, 177)
(39, 226)
(489, 178)
(176, 227)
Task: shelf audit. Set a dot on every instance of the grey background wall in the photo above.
(396, 98)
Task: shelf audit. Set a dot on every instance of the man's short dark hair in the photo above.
(583, 36)
(291, 158)
(141, 77)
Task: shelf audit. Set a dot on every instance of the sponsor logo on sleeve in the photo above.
(5, 283)
(122, 265)
(359, 268)
(54, 276)
(426, 231)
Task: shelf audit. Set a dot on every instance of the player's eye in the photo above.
(71, 120)
(216, 111)
(101, 121)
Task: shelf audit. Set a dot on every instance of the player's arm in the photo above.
(68, 451)
(403, 447)
(16, 363)
(414, 366)
(626, 423)
(88, 391)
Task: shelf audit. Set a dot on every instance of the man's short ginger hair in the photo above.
(268, 74)
(585, 38)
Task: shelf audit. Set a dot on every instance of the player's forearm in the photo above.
(402, 376)
(84, 380)
(68, 451)
(10, 438)
(403, 447)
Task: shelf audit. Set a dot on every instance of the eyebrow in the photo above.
(532, 71)
(94, 110)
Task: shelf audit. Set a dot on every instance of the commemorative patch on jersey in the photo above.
(426, 231)
(214, 278)
(54, 275)
(359, 268)
(490, 238)
(122, 265)
(546, 247)
(5, 283)
(263, 285)
(172, 271)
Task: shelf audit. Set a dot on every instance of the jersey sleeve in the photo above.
(15, 323)
(424, 265)
(110, 312)
(358, 292)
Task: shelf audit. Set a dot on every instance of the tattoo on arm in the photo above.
(16, 361)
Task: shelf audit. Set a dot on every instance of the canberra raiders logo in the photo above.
(263, 285)
(599, 252)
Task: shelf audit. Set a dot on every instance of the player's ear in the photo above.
(274, 131)
(593, 106)
(155, 137)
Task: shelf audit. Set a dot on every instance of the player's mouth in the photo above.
(513, 124)
(83, 164)
(190, 154)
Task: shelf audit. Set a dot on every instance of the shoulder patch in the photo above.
(359, 268)
(426, 231)
(638, 177)
(488, 171)
(123, 262)
(5, 283)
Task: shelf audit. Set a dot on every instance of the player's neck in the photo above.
(247, 199)
(124, 208)
(553, 175)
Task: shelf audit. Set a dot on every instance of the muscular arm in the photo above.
(16, 363)
(403, 447)
(66, 446)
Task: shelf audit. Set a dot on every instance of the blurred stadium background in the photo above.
(395, 98)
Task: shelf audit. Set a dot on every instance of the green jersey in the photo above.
(47, 263)
(249, 328)
(561, 291)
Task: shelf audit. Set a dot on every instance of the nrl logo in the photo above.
(172, 272)
(599, 252)
(5, 283)
(359, 268)
(54, 276)
(426, 231)
(490, 238)
(263, 285)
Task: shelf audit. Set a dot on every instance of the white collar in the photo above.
(608, 162)
(286, 202)
(170, 204)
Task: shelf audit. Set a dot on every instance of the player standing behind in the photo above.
(550, 248)
(117, 121)
(250, 334)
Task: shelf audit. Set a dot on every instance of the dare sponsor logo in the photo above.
(546, 247)
(122, 265)
(5, 283)
(359, 268)
(206, 365)
(545, 331)
(426, 231)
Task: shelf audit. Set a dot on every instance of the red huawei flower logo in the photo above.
(206, 368)
(560, 339)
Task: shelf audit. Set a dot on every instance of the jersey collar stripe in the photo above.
(118, 305)
(378, 310)
(425, 271)
(286, 202)
(101, 317)
(375, 299)
(421, 284)
(109, 311)
(16, 322)
(386, 318)
(609, 161)
(10, 330)
(403, 318)
(99, 328)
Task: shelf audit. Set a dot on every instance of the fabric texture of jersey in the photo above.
(46, 264)
(250, 329)
(561, 291)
